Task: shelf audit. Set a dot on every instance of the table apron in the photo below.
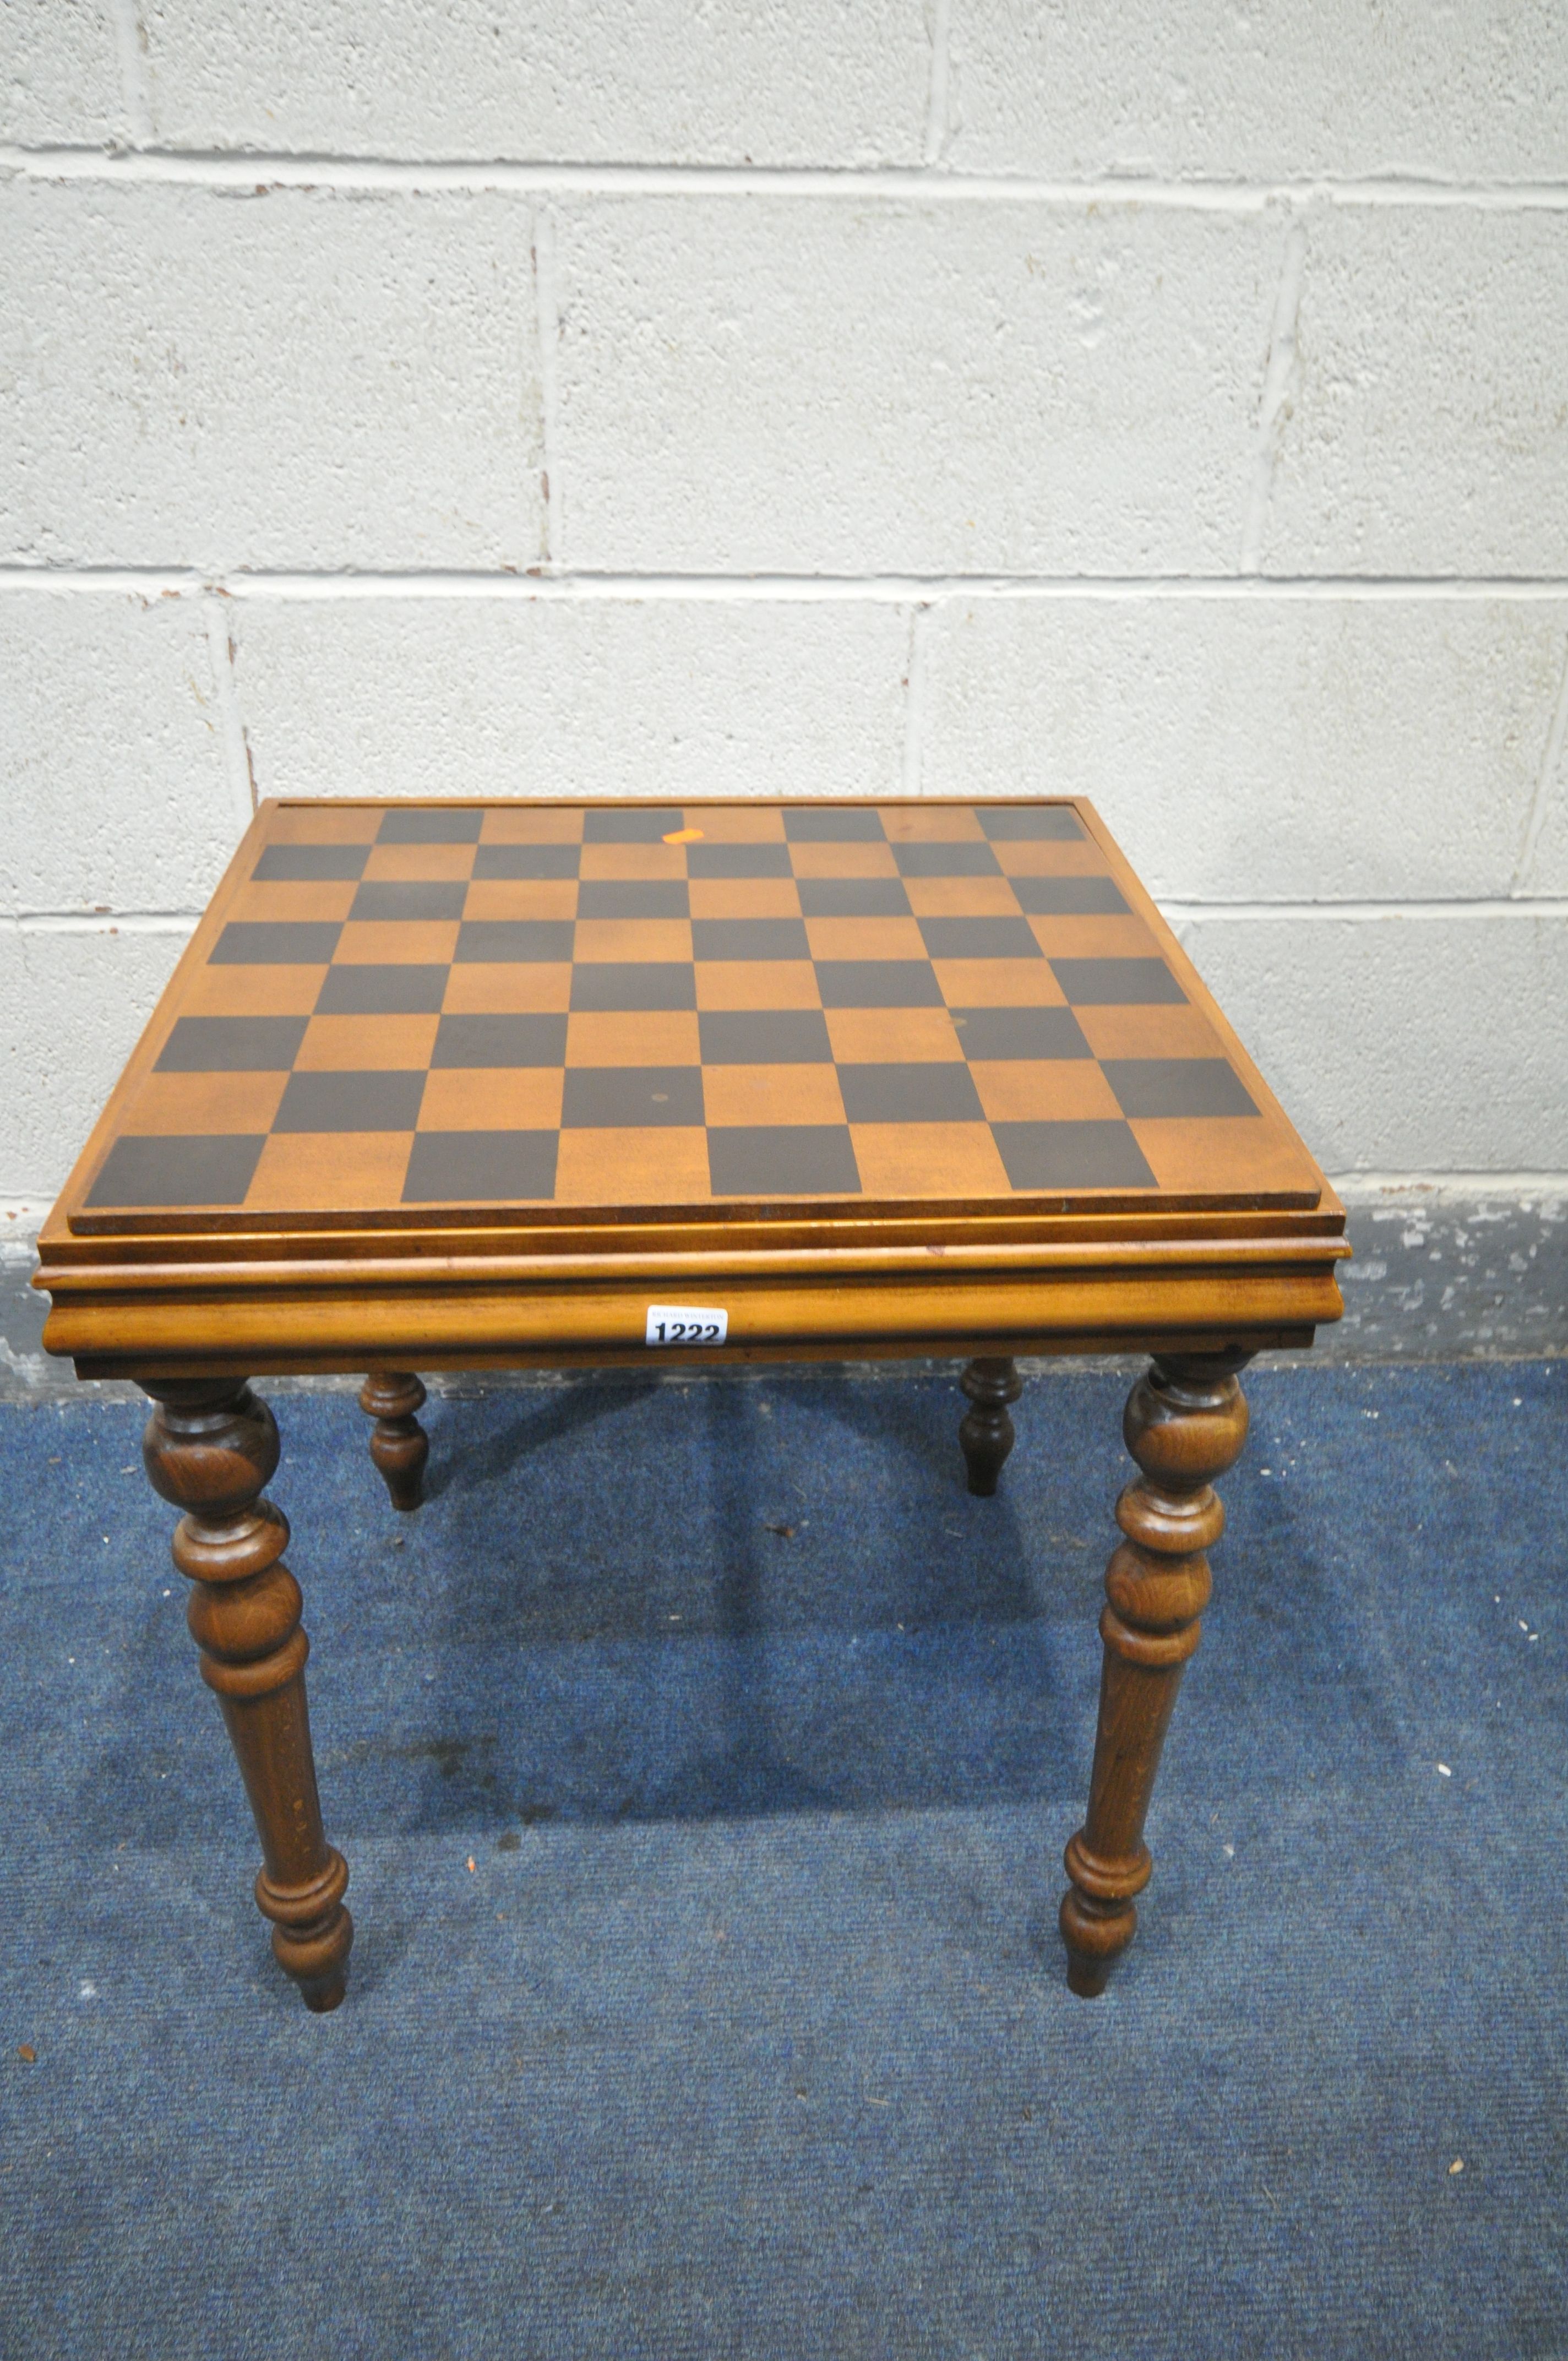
(426, 1326)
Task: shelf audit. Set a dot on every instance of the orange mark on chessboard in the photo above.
(683, 836)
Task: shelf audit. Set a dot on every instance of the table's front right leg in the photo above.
(210, 1446)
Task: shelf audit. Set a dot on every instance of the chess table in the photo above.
(471, 1085)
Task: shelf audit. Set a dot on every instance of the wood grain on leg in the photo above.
(210, 1446)
(1185, 1423)
(986, 1430)
(399, 1445)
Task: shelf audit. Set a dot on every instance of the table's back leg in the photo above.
(986, 1430)
(399, 1445)
(210, 1446)
(1185, 1423)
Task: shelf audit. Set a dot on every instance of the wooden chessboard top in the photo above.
(427, 1014)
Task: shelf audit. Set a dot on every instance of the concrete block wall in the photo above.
(1165, 400)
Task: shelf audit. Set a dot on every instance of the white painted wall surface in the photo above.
(1158, 400)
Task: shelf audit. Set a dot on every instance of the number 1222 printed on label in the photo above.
(685, 1323)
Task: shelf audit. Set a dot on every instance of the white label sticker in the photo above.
(685, 1323)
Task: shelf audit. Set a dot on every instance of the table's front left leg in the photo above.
(1185, 1423)
(210, 1446)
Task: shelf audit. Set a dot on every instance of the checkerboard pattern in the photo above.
(610, 1006)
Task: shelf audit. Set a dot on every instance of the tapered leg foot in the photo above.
(399, 1445)
(986, 1430)
(1185, 1423)
(210, 1446)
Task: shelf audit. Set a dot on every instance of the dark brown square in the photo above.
(1051, 1156)
(988, 1034)
(1177, 1086)
(483, 1167)
(632, 897)
(427, 899)
(281, 862)
(525, 1040)
(389, 991)
(853, 897)
(502, 860)
(1005, 823)
(630, 1098)
(482, 940)
(378, 1100)
(764, 1037)
(634, 984)
(613, 827)
(1116, 983)
(232, 1045)
(750, 939)
(877, 984)
(977, 939)
(943, 1092)
(417, 826)
(1069, 898)
(738, 861)
(275, 942)
(833, 824)
(797, 1159)
(954, 859)
(170, 1170)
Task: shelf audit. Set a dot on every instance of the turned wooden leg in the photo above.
(986, 1430)
(210, 1446)
(1185, 1423)
(398, 1445)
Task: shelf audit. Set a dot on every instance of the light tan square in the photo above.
(757, 984)
(1245, 1156)
(292, 900)
(866, 939)
(323, 823)
(928, 1159)
(365, 1045)
(633, 1037)
(420, 864)
(998, 983)
(736, 823)
(531, 824)
(508, 988)
(744, 897)
(252, 992)
(931, 823)
(521, 897)
(632, 939)
(194, 1104)
(1109, 935)
(633, 860)
(1068, 857)
(842, 861)
(961, 897)
(330, 1172)
(886, 1036)
(765, 1094)
(664, 1164)
(1053, 1090)
(415, 942)
(492, 1098)
(1152, 1032)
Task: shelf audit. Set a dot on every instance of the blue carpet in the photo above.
(745, 2031)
